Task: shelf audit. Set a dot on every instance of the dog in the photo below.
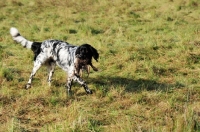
(68, 57)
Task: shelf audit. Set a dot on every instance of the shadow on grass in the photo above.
(131, 85)
(105, 83)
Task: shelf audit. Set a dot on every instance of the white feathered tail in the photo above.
(20, 39)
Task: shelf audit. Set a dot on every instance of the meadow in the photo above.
(149, 66)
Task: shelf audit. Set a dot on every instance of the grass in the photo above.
(149, 67)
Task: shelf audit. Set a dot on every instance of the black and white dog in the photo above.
(51, 52)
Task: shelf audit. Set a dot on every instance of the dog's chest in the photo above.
(79, 63)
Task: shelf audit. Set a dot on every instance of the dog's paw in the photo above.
(27, 86)
(49, 83)
(89, 91)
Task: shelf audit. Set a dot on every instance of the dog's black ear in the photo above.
(95, 54)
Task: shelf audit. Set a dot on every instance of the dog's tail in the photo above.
(20, 39)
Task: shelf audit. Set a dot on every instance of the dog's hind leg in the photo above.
(37, 65)
(51, 68)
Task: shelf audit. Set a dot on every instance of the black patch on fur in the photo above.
(18, 34)
(36, 48)
(55, 43)
(58, 57)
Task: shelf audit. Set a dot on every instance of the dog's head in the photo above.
(86, 52)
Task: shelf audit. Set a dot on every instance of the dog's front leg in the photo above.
(82, 83)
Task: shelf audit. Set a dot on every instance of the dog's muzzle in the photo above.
(80, 56)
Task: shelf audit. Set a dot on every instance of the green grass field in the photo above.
(149, 66)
